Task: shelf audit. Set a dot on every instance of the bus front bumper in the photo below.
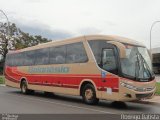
(126, 94)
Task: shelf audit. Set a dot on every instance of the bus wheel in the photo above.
(89, 94)
(24, 88)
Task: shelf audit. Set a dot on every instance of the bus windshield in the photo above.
(137, 63)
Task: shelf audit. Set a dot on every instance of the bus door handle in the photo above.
(103, 80)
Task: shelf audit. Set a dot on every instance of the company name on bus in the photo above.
(61, 69)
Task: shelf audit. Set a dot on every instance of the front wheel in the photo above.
(89, 94)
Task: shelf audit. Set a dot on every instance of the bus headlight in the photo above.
(127, 85)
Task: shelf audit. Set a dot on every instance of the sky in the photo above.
(59, 19)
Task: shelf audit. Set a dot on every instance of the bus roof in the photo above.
(82, 38)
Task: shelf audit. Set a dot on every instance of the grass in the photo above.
(158, 89)
(1, 79)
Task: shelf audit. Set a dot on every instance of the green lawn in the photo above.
(1, 79)
(158, 89)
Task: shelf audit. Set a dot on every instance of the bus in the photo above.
(95, 67)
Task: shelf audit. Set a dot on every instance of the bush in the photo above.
(157, 88)
(1, 79)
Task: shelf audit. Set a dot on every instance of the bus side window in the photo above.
(42, 56)
(57, 55)
(8, 60)
(29, 58)
(76, 53)
(19, 59)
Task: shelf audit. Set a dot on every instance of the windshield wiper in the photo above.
(145, 63)
(137, 65)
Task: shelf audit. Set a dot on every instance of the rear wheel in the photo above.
(89, 94)
(24, 88)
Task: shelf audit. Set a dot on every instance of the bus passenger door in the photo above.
(110, 79)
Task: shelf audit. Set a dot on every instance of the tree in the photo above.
(17, 39)
(6, 40)
(26, 40)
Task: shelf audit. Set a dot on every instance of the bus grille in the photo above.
(144, 89)
(139, 96)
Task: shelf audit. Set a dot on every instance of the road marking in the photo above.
(62, 104)
(3, 85)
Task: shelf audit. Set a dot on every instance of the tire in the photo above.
(89, 95)
(24, 88)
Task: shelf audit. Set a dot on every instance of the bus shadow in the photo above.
(58, 97)
(128, 107)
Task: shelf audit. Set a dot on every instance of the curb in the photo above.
(3, 85)
(155, 100)
(152, 102)
(147, 102)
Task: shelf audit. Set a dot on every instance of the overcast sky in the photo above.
(58, 19)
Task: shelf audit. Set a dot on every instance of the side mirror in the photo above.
(121, 48)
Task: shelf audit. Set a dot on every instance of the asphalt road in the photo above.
(12, 101)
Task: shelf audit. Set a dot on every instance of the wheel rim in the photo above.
(88, 94)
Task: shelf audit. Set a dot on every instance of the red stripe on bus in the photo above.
(55, 85)
(72, 80)
(11, 79)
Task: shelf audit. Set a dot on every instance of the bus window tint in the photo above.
(97, 46)
(76, 53)
(15, 59)
(8, 60)
(19, 59)
(71, 53)
(29, 58)
(100, 47)
(57, 55)
(109, 60)
(42, 56)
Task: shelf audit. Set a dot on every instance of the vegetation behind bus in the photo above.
(17, 39)
(158, 88)
(2, 80)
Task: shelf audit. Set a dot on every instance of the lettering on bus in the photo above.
(61, 69)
